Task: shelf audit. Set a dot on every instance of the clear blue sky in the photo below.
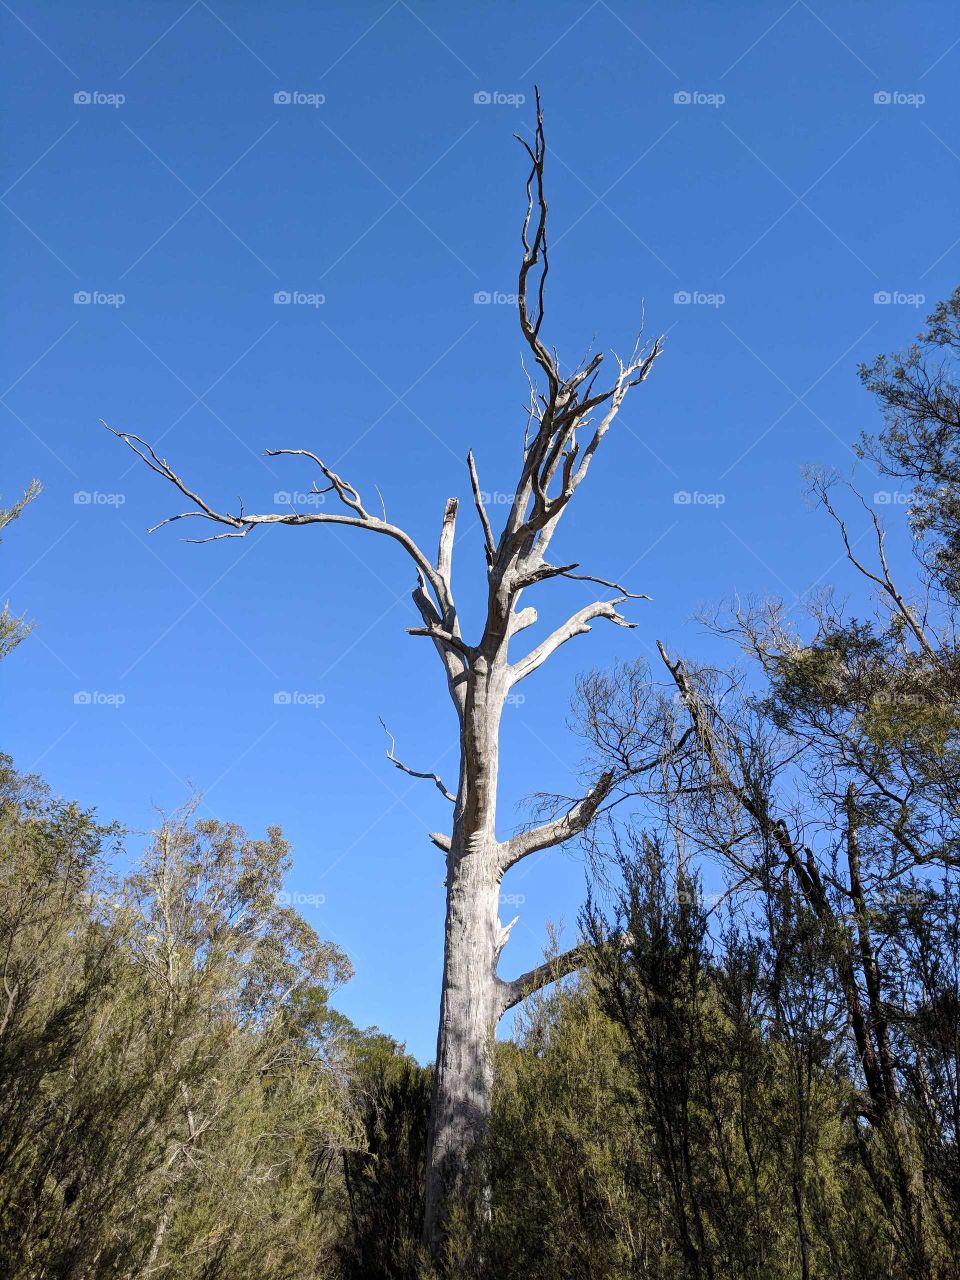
(797, 197)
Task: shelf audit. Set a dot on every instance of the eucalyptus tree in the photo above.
(568, 417)
(172, 1094)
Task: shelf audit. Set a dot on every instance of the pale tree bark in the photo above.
(567, 420)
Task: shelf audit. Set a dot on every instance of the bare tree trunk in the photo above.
(479, 677)
(470, 1007)
(471, 1000)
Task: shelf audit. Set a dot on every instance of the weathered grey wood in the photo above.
(479, 678)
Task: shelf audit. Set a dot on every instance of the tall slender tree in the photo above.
(568, 417)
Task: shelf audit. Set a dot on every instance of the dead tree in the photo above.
(568, 417)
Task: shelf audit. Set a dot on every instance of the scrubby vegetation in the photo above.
(760, 1081)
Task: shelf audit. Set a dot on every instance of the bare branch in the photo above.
(631, 375)
(577, 818)
(455, 662)
(447, 533)
(504, 936)
(414, 773)
(603, 582)
(214, 537)
(242, 523)
(801, 861)
(443, 637)
(541, 572)
(535, 251)
(511, 993)
(520, 620)
(577, 625)
(884, 582)
(344, 491)
(490, 546)
(146, 453)
(798, 857)
(555, 460)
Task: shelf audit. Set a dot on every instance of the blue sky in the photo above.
(734, 155)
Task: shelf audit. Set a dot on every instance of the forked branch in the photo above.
(577, 625)
(884, 580)
(535, 250)
(566, 422)
(240, 524)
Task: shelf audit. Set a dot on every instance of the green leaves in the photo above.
(171, 1084)
(14, 630)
